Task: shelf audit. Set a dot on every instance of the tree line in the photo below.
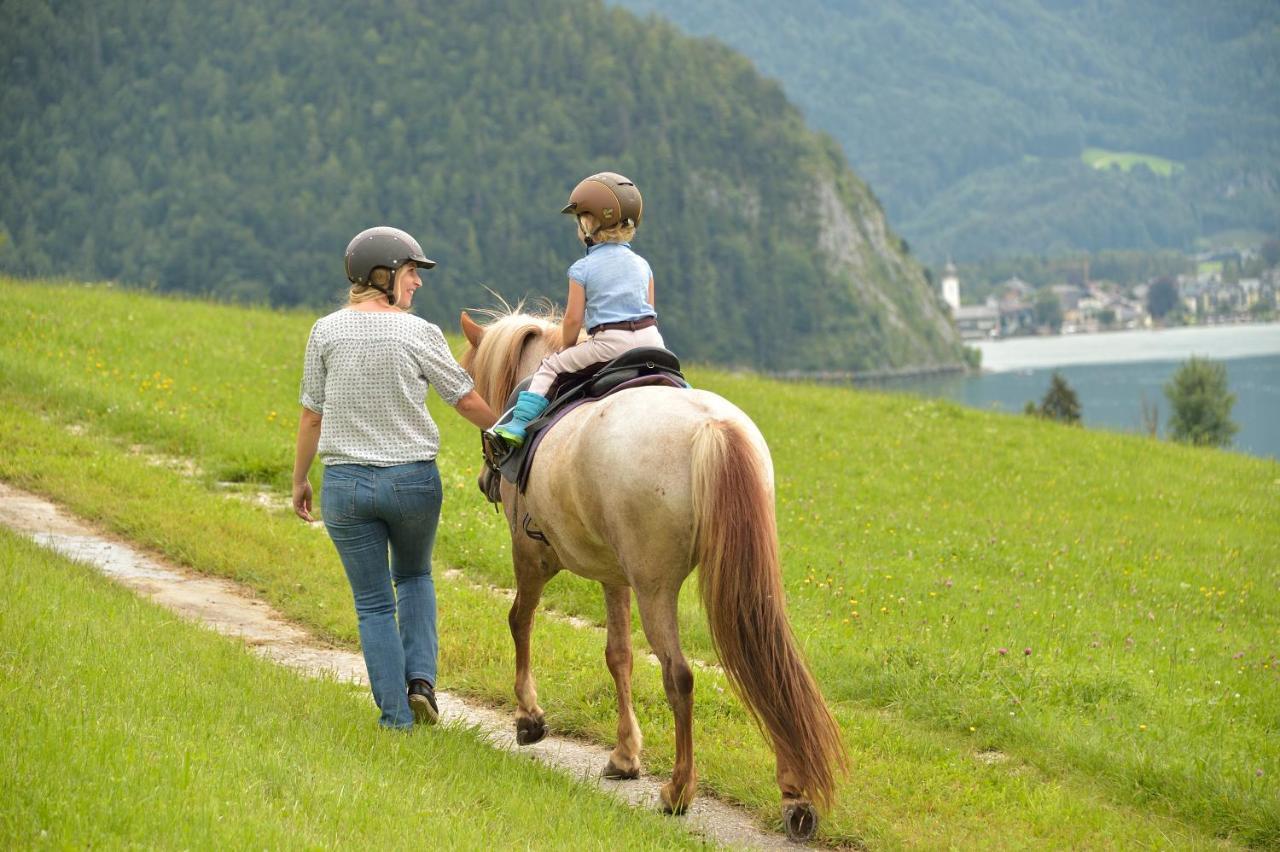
(969, 118)
(231, 150)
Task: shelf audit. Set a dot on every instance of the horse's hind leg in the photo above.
(798, 814)
(658, 616)
(624, 761)
(530, 723)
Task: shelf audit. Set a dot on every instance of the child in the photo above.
(610, 292)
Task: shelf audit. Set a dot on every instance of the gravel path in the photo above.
(229, 609)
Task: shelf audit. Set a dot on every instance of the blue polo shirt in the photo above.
(617, 283)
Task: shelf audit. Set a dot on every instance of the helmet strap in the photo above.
(390, 292)
(588, 238)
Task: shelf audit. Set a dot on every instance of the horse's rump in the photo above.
(613, 480)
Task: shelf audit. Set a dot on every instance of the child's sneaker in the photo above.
(528, 407)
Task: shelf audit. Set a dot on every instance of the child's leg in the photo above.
(603, 346)
(576, 357)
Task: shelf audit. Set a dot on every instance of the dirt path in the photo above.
(229, 609)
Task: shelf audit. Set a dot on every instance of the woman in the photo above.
(366, 373)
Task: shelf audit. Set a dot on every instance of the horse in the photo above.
(634, 491)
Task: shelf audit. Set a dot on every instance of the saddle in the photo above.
(648, 365)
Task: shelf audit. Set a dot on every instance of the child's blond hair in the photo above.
(623, 232)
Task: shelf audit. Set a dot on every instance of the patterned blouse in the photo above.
(367, 373)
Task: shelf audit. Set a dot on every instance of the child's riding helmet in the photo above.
(612, 198)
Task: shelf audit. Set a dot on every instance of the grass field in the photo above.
(1101, 158)
(1031, 635)
(177, 738)
(1127, 160)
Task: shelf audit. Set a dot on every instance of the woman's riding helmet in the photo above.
(382, 246)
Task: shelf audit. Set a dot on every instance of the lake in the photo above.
(1112, 373)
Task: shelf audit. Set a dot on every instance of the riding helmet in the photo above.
(609, 196)
(382, 246)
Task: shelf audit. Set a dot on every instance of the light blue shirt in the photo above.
(616, 281)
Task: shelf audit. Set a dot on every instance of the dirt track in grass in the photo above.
(233, 611)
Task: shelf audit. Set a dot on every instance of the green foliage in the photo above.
(1048, 310)
(1060, 402)
(970, 119)
(1099, 158)
(1162, 297)
(1201, 404)
(1143, 717)
(170, 727)
(232, 150)
(979, 279)
(1271, 252)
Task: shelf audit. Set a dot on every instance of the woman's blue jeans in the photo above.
(366, 510)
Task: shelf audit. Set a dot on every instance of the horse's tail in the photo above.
(741, 583)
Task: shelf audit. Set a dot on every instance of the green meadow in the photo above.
(1101, 158)
(177, 738)
(1031, 635)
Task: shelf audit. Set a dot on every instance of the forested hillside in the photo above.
(232, 149)
(974, 120)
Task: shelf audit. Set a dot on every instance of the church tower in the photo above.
(951, 286)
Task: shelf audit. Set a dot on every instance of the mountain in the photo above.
(232, 149)
(999, 127)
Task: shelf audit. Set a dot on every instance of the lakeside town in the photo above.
(1216, 293)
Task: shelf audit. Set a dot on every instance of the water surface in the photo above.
(1115, 374)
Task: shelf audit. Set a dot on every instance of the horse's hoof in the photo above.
(529, 731)
(614, 773)
(801, 821)
(671, 805)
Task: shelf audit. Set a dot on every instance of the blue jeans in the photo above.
(366, 509)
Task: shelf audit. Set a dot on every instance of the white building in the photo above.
(951, 287)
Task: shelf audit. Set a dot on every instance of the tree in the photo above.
(1162, 297)
(1060, 402)
(1271, 252)
(1201, 404)
(1049, 309)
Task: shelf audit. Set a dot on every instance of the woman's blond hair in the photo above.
(380, 277)
(623, 232)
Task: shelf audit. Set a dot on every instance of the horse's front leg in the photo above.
(532, 574)
(658, 616)
(624, 761)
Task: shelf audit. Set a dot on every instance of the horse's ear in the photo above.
(471, 329)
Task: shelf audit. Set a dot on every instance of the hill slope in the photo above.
(971, 120)
(233, 151)
(1032, 635)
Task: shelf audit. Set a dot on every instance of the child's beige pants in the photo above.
(601, 346)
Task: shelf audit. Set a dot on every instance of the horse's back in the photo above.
(642, 432)
(615, 476)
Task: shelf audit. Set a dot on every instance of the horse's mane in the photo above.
(495, 364)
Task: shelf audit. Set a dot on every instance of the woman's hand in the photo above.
(308, 439)
(302, 500)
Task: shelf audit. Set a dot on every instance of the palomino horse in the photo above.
(633, 491)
